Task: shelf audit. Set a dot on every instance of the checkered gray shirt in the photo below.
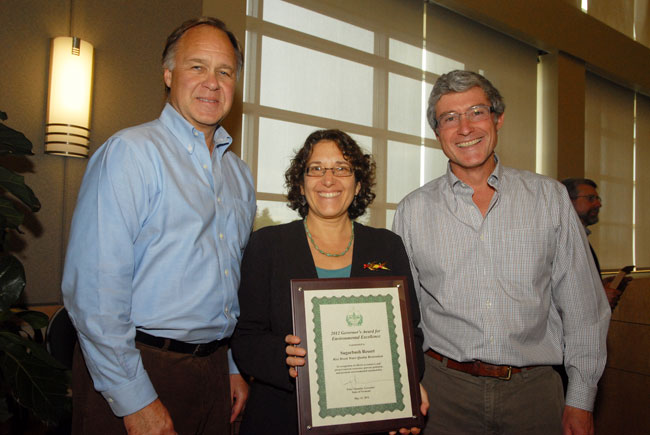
(514, 287)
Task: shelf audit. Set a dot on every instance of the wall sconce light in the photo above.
(67, 132)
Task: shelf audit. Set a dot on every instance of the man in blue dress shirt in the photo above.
(152, 267)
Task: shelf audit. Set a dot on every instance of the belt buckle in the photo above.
(508, 376)
(198, 350)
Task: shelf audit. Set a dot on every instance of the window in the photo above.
(617, 153)
(642, 183)
(369, 71)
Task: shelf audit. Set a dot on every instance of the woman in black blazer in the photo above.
(330, 182)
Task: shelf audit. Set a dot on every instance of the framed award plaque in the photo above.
(360, 374)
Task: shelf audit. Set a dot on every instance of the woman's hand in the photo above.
(295, 354)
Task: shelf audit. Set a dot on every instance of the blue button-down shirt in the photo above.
(156, 241)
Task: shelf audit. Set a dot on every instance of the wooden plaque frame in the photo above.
(344, 291)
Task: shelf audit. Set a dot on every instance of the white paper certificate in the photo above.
(357, 369)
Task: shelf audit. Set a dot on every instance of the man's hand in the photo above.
(238, 395)
(153, 419)
(424, 408)
(613, 294)
(576, 421)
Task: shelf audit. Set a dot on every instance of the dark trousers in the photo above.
(531, 402)
(195, 390)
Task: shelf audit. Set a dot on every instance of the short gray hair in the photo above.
(169, 52)
(461, 81)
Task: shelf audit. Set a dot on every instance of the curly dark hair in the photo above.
(362, 164)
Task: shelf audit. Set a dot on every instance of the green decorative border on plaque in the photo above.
(324, 411)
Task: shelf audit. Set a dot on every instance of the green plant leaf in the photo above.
(13, 217)
(15, 184)
(12, 281)
(36, 319)
(36, 350)
(36, 379)
(13, 142)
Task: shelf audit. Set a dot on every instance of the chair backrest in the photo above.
(61, 337)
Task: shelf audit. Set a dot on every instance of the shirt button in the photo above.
(205, 166)
(225, 310)
(219, 199)
(220, 236)
(189, 147)
(110, 400)
(489, 304)
(226, 272)
(196, 133)
(491, 339)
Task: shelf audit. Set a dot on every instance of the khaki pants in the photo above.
(195, 390)
(531, 402)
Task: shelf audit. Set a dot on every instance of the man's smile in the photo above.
(206, 100)
(468, 143)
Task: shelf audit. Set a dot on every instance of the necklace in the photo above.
(311, 239)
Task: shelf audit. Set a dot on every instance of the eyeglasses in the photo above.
(477, 113)
(591, 198)
(319, 171)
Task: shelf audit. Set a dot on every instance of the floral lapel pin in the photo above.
(374, 265)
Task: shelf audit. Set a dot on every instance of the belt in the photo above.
(172, 345)
(479, 368)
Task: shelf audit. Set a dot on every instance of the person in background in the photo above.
(152, 266)
(504, 281)
(330, 184)
(587, 203)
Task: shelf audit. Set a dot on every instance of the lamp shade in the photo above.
(67, 131)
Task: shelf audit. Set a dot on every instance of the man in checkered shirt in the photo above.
(505, 282)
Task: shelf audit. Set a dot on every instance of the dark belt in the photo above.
(203, 349)
(479, 368)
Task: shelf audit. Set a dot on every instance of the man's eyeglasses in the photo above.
(591, 198)
(337, 171)
(477, 113)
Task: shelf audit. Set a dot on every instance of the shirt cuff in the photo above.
(580, 395)
(132, 396)
(232, 367)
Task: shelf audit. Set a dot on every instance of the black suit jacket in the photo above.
(275, 255)
(593, 253)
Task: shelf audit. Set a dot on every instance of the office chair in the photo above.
(61, 337)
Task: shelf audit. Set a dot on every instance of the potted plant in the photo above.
(29, 376)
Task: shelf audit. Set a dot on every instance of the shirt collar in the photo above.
(188, 135)
(493, 179)
(496, 175)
